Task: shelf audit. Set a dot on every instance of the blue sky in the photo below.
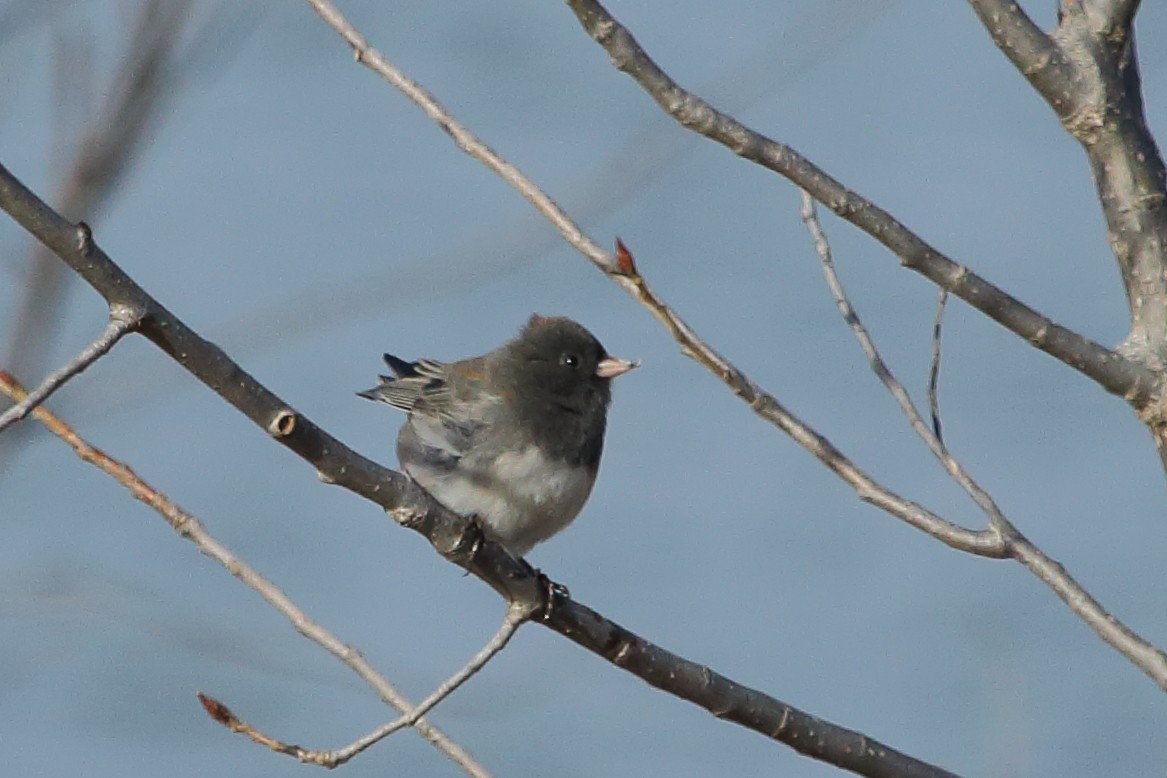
(306, 217)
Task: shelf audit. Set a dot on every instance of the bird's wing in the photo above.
(448, 405)
(413, 385)
(450, 418)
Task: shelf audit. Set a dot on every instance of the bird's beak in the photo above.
(610, 367)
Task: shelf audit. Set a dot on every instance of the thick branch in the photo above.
(1098, 99)
(1128, 171)
(730, 701)
(1030, 50)
(1111, 370)
(451, 535)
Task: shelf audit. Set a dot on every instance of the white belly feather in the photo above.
(522, 497)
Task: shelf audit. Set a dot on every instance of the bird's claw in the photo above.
(476, 536)
(553, 593)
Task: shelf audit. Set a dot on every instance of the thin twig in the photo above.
(1130, 644)
(462, 137)
(934, 366)
(189, 527)
(515, 616)
(886, 376)
(117, 327)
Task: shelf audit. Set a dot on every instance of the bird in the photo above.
(512, 438)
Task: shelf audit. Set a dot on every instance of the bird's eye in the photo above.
(571, 360)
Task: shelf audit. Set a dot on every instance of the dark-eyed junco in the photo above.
(512, 437)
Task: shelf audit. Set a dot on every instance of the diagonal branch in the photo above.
(883, 372)
(189, 527)
(1030, 50)
(517, 614)
(1114, 372)
(453, 536)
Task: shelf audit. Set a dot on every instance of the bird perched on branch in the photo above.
(512, 437)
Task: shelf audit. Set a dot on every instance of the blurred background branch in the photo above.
(101, 129)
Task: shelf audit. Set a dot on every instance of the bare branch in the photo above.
(451, 535)
(463, 138)
(1102, 107)
(189, 527)
(1131, 180)
(1030, 50)
(1141, 653)
(515, 616)
(119, 324)
(1131, 645)
(1129, 378)
(878, 366)
(414, 509)
(1113, 371)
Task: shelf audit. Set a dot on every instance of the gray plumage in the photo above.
(513, 437)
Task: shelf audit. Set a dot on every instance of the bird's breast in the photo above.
(543, 481)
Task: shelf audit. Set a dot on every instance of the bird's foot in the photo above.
(475, 535)
(553, 593)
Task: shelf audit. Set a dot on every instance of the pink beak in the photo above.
(610, 367)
